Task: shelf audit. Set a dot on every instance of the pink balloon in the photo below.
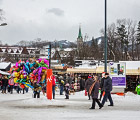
(44, 68)
(40, 60)
(16, 64)
(39, 74)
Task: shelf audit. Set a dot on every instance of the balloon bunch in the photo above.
(26, 73)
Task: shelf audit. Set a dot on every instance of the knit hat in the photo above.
(106, 73)
(89, 76)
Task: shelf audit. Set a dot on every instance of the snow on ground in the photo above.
(23, 106)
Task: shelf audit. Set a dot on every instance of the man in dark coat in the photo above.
(94, 92)
(4, 84)
(107, 89)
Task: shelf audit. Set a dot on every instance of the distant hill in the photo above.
(63, 44)
(60, 43)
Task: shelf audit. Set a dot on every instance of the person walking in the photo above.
(94, 91)
(107, 88)
(37, 90)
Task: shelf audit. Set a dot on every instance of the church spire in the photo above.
(80, 33)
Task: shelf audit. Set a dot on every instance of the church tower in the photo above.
(79, 40)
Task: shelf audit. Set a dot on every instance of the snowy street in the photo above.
(23, 106)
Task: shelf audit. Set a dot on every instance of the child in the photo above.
(67, 89)
(37, 90)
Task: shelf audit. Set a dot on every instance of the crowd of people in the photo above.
(67, 83)
(7, 85)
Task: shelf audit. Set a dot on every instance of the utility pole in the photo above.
(50, 55)
(105, 38)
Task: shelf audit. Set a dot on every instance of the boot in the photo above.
(111, 105)
(100, 107)
(53, 96)
(92, 108)
(5, 91)
(2, 91)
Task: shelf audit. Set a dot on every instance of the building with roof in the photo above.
(5, 66)
(12, 54)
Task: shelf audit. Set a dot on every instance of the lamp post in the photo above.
(50, 56)
(105, 38)
(3, 24)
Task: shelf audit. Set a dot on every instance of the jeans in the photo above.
(26, 89)
(107, 95)
(11, 89)
(61, 90)
(36, 94)
(18, 89)
(53, 90)
(4, 88)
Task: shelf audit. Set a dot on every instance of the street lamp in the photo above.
(3, 24)
(105, 38)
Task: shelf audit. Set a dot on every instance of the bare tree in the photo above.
(1, 15)
(133, 39)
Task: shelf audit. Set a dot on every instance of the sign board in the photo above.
(49, 84)
(117, 72)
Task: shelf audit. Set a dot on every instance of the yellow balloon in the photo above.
(15, 80)
(43, 76)
(15, 74)
(21, 76)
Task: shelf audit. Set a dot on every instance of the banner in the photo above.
(49, 84)
(117, 72)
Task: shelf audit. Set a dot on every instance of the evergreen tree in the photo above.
(138, 39)
(122, 37)
(138, 33)
(94, 48)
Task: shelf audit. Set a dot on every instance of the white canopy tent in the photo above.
(4, 73)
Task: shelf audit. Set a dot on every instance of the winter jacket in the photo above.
(138, 89)
(67, 89)
(61, 82)
(53, 80)
(88, 83)
(69, 80)
(11, 81)
(37, 88)
(95, 90)
(107, 84)
(5, 82)
(102, 84)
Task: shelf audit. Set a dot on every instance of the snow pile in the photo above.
(130, 94)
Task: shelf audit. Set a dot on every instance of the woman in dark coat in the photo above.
(95, 91)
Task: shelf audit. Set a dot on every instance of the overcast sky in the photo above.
(60, 19)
